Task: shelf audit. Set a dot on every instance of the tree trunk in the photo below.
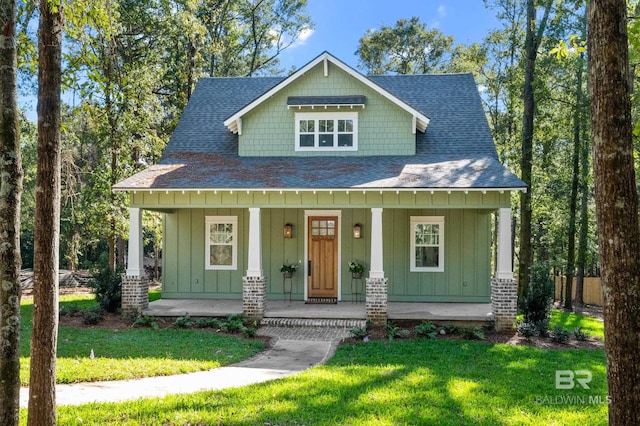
(584, 209)
(573, 200)
(42, 395)
(532, 42)
(616, 204)
(11, 184)
(526, 160)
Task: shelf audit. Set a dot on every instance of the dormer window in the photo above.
(326, 131)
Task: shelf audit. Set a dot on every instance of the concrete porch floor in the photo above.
(471, 312)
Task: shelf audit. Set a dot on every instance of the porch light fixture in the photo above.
(357, 231)
(288, 230)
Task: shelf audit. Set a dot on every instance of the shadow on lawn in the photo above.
(406, 382)
(144, 343)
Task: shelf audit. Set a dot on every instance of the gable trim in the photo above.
(422, 121)
(326, 101)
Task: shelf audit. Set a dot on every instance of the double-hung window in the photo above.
(221, 242)
(427, 243)
(326, 131)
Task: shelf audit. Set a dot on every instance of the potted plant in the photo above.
(356, 269)
(288, 270)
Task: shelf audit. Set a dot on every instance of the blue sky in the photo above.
(339, 24)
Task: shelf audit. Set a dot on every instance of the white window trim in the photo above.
(209, 220)
(351, 115)
(430, 220)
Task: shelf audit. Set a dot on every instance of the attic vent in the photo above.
(326, 101)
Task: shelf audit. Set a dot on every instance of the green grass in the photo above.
(569, 320)
(131, 353)
(448, 382)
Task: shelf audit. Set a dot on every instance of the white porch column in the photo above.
(504, 291)
(255, 244)
(135, 266)
(376, 285)
(376, 269)
(504, 265)
(135, 286)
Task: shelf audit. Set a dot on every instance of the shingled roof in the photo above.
(455, 152)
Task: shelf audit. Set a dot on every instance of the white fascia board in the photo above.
(422, 121)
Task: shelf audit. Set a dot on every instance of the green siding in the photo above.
(466, 276)
(467, 254)
(184, 274)
(268, 130)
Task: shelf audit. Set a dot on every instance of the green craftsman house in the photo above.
(324, 168)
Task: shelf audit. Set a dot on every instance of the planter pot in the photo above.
(356, 275)
(287, 274)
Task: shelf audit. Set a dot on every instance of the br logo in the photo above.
(566, 379)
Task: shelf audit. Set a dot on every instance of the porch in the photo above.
(396, 311)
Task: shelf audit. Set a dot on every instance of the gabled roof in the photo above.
(233, 122)
(456, 151)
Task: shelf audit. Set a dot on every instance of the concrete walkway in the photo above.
(293, 350)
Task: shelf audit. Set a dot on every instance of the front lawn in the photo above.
(448, 382)
(133, 352)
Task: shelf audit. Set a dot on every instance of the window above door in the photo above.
(326, 131)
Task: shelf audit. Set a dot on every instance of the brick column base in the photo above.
(376, 300)
(254, 297)
(504, 303)
(135, 295)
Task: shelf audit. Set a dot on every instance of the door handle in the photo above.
(308, 268)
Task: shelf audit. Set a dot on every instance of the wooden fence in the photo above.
(592, 292)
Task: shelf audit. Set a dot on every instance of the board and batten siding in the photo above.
(269, 129)
(466, 277)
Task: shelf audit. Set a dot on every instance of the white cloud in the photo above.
(303, 36)
(442, 11)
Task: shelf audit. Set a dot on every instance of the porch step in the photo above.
(313, 322)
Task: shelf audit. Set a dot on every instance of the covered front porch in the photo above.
(284, 309)
(256, 300)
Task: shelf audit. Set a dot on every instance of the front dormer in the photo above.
(327, 109)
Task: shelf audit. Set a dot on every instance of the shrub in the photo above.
(70, 310)
(233, 324)
(93, 316)
(451, 329)
(183, 322)
(489, 326)
(359, 332)
(474, 333)
(579, 334)
(527, 329)
(536, 305)
(146, 321)
(208, 323)
(426, 329)
(560, 334)
(249, 331)
(107, 286)
(392, 331)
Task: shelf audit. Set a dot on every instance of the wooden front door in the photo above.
(323, 256)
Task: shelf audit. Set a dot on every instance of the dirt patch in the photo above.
(510, 338)
(115, 321)
(110, 321)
